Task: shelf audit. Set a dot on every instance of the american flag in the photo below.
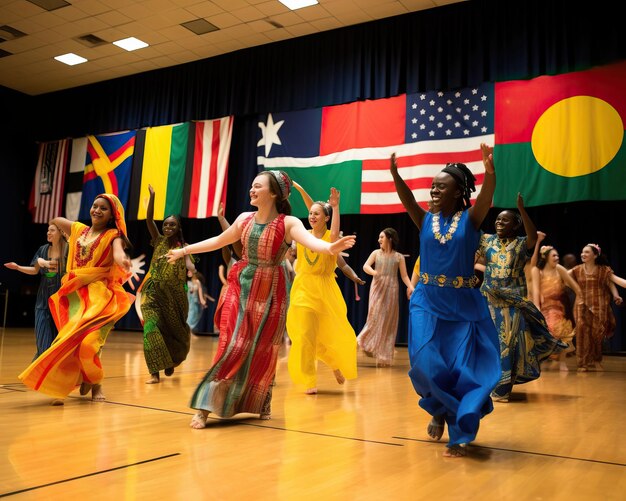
(348, 146)
(46, 197)
(440, 127)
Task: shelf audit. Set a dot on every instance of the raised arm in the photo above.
(152, 227)
(529, 226)
(224, 224)
(535, 257)
(406, 195)
(536, 292)
(479, 210)
(308, 201)
(333, 200)
(65, 225)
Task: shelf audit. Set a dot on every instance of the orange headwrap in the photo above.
(118, 211)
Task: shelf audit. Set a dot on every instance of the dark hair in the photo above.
(464, 179)
(392, 236)
(282, 204)
(544, 252)
(601, 259)
(180, 236)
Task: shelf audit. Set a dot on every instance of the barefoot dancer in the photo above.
(453, 343)
(252, 322)
(317, 320)
(164, 305)
(378, 336)
(91, 299)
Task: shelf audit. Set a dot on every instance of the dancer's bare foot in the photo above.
(435, 427)
(311, 391)
(456, 451)
(198, 421)
(57, 401)
(97, 395)
(154, 379)
(339, 376)
(85, 388)
(563, 367)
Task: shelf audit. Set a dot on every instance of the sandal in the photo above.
(198, 421)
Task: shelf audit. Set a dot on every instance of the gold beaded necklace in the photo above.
(442, 239)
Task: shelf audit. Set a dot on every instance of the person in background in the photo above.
(595, 320)
(377, 339)
(49, 261)
(551, 280)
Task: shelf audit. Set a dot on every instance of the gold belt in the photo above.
(443, 281)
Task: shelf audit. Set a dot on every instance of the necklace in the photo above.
(308, 260)
(442, 239)
(85, 247)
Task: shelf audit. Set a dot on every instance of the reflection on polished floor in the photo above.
(559, 438)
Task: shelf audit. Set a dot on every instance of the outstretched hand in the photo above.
(487, 152)
(174, 255)
(11, 265)
(343, 243)
(520, 201)
(151, 190)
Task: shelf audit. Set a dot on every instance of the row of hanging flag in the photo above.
(186, 164)
(557, 139)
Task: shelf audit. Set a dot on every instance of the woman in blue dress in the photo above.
(453, 343)
(49, 262)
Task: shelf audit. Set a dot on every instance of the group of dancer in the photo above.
(466, 345)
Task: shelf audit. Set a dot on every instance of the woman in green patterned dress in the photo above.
(164, 304)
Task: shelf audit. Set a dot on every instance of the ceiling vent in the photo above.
(50, 4)
(9, 33)
(200, 26)
(91, 40)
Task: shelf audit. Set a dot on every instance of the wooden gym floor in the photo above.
(561, 437)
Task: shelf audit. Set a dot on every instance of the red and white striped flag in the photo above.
(46, 196)
(207, 177)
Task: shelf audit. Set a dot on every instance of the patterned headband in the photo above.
(284, 183)
(596, 247)
(545, 250)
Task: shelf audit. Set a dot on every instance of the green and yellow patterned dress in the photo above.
(164, 306)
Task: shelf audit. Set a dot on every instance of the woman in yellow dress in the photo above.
(91, 299)
(317, 322)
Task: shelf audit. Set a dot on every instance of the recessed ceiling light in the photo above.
(50, 4)
(70, 59)
(298, 4)
(131, 43)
